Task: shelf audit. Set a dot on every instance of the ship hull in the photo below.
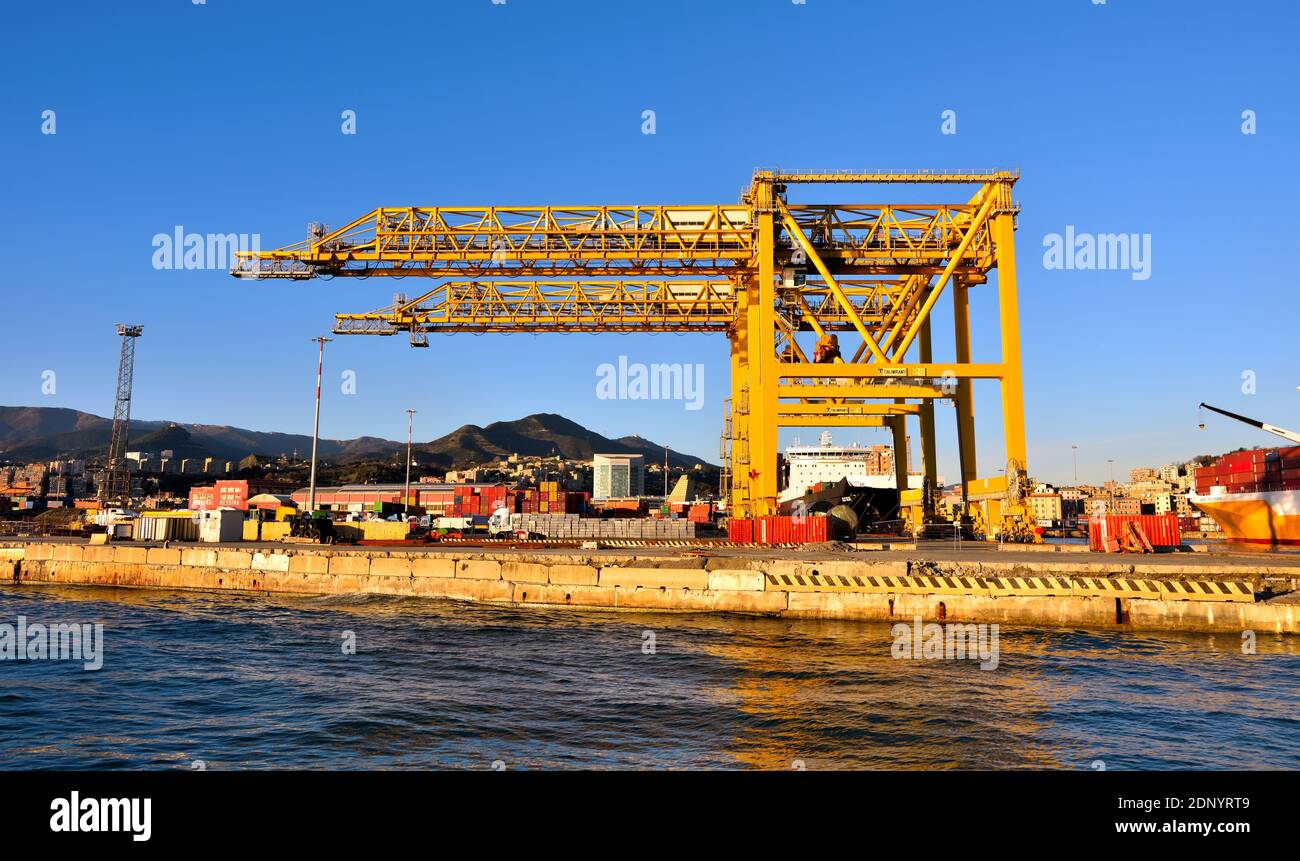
(1267, 517)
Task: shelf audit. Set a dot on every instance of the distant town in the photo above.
(1158, 490)
(162, 480)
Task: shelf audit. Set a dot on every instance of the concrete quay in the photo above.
(1188, 591)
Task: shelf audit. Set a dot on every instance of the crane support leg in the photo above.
(929, 457)
(965, 403)
(898, 424)
(1013, 392)
(763, 391)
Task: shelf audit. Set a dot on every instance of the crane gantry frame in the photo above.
(767, 272)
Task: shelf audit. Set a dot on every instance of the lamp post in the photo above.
(315, 429)
(410, 423)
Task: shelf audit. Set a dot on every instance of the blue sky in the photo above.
(225, 117)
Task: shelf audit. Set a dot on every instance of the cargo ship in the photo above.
(1254, 495)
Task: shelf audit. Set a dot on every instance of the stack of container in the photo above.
(700, 512)
(1254, 471)
(632, 507)
(465, 500)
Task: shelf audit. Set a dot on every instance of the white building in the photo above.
(618, 476)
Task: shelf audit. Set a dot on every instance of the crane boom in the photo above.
(1267, 428)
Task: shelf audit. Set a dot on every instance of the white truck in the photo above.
(499, 526)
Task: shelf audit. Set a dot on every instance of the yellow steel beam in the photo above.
(976, 224)
(958, 370)
(1013, 398)
(795, 390)
(856, 409)
(763, 388)
(629, 240)
(556, 306)
(845, 305)
(874, 177)
(832, 421)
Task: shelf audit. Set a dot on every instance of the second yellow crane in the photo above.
(775, 276)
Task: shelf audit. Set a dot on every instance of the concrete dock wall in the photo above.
(1070, 593)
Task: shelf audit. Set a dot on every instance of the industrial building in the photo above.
(235, 493)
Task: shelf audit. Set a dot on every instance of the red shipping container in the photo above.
(1160, 529)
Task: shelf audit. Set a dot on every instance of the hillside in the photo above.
(45, 433)
(539, 435)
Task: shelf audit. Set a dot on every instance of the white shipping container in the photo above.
(166, 529)
(221, 525)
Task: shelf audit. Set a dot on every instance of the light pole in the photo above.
(315, 429)
(410, 423)
(1076, 464)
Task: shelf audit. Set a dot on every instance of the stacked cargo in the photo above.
(700, 512)
(548, 499)
(436, 502)
(632, 507)
(1255, 471)
(463, 500)
(1252, 496)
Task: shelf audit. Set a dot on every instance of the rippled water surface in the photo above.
(256, 682)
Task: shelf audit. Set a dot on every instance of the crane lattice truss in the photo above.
(115, 483)
(771, 274)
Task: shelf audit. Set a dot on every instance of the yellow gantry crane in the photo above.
(774, 276)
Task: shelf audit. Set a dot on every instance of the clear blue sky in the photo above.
(225, 117)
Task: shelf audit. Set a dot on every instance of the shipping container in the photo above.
(166, 528)
(776, 529)
(221, 525)
(1162, 530)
